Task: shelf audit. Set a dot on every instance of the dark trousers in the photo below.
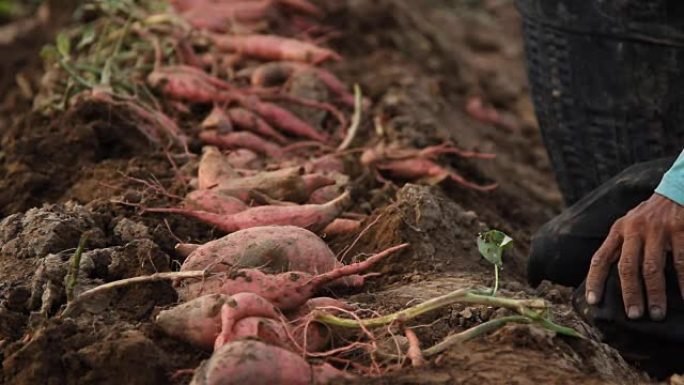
(561, 253)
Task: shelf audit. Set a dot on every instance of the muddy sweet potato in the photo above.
(244, 159)
(426, 169)
(257, 363)
(281, 118)
(274, 249)
(213, 168)
(200, 321)
(287, 291)
(288, 184)
(278, 72)
(234, 140)
(220, 16)
(312, 217)
(214, 201)
(217, 120)
(271, 47)
(246, 120)
(342, 226)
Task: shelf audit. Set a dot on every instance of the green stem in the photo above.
(72, 276)
(496, 280)
(524, 307)
(469, 334)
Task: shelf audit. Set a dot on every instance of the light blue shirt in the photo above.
(672, 184)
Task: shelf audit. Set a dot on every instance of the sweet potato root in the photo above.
(192, 84)
(312, 217)
(213, 168)
(257, 363)
(287, 291)
(246, 120)
(242, 140)
(214, 201)
(270, 47)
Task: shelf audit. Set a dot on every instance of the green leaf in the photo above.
(492, 244)
(63, 44)
(87, 38)
(49, 53)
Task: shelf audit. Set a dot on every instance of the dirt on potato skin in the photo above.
(420, 63)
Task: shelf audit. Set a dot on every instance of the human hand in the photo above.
(639, 242)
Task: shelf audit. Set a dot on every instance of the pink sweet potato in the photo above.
(278, 72)
(312, 217)
(243, 158)
(274, 249)
(287, 291)
(423, 168)
(279, 117)
(246, 140)
(213, 168)
(200, 321)
(324, 194)
(214, 201)
(342, 226)
(271, 47)
(192, 84)
(246, 120)
(217, 120)
(219, 16)
(257, 363)
(303, 6)
(287, 184)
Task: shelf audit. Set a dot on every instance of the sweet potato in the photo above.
(270, 47)
(257, 363)
(278, 72)
(213, 168)
(200, 321)
(342, 226)
(422, 168)
(218, 120)
(312, 217)
(286, 291)
(242, 140)
(219, 16)
(246, 120)
(288, 184)
(214, 201)
(324, 194)
(192, 84)
(282, 118)
(274, 249)
(303, 6)
(243, 158)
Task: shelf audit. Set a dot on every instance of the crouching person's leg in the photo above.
(562, 251)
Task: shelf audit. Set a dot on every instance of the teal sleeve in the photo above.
(672, 184)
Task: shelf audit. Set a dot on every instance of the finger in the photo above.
(678, 258)
(653, 271)
(628, 266)
(601, 261)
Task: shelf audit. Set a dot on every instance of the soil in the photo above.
(420, 62)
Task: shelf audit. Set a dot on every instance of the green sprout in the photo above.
(492, 245)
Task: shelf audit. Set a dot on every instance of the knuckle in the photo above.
(627, 267)
(651, 268)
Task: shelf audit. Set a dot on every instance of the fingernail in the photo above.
(592, 298)
(634, 312)
(657, 313)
